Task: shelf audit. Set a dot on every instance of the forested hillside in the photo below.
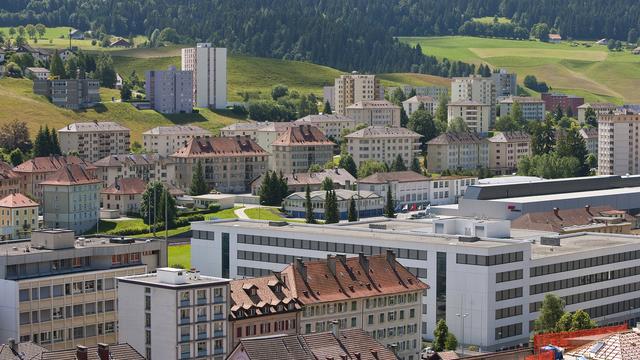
(346, 34)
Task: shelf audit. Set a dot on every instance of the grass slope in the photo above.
(58, 37)
(592, 72)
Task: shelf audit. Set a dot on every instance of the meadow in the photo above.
(592, 72)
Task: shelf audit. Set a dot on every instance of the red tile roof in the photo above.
(621, 346)
(341, 278)
(17, 201)
(6, 171)
(302, 135)
(565, 218)
(266, 298)
(116, 352)
(49, 164)
(220, 146)
(71, 175)
(128, 186)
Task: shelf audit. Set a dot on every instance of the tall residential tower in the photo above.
(209, 66)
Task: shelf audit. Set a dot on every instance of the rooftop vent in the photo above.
(122, 240)
(468, 239)
(278, 223)
(550, 241)
(378, 226)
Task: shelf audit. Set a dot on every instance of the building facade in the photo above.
(174, 314)
(94, 140)
(299, 147)
(590, 136)
(297, 182)
(368, 204)
(166, 140)
(617, 140)
(436, 92)
(476, 115)
(506, 83)
(477, 89)
(148, 167)
(62, 291)
(71, 199)
(457, 151)
(383, 144)
(170, 91)
(375, 113)
(566, 102)
(230, 164)
(331, 125)
(9, 180)
(18, 217)
(352, 88)
(506, 149)
(37, 73)
(123, 196)
(72, 94)
(412, 104)
(209, 67)
(598, 108)
(532, 109)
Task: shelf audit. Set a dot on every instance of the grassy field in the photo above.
(489, 20)
(58, 37)
(593, 72)
(180, 255)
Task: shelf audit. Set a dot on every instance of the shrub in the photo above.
(214, 207)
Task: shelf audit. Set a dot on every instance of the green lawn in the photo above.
(180, 255)
(489, 20)
(266, 213)
(58, 37)
(592, 72)
(223, 214)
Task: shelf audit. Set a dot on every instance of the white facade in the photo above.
(174, 314)
(209, 66)
(500, 282)
(383, 144)
(331, 125)
(617, 139)
(352, 88)
(375, 113)
(93, 141)
(476, 115)
(477, 89)
(532, 109)
(411, 105)
(166, 140)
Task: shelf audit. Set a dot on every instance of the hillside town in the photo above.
(482, 219)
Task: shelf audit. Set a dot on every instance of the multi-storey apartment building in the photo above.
(38, 73)
(262, 306)
(170, 91)
(590, 136)
(166, 140)
(93, 141)
(506, 83)
(567, 103)
(148, 167)
(457, 151)
(375, 113)
(9, 180)
(506, 149)
(69, 93)
(617, 140)
(532, 109)
(474, 266)
(437, 92)
(297, 182)
(124, 196)
(299, 147)
(230, 164)
(174, 314)
(59, 291)
(209, 67)
(412, 104)
(478, 89)
(352, 88)
(367, 203)
(264, 133)
(476, 115)
(34, 171)
(598, 108)
(383, 144)
(18, 217)
(331, 125)
(71, 199)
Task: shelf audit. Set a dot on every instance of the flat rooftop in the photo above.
(572, 243)
(572, 195)
(153, 279)
(19, 248)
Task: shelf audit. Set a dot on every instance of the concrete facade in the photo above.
(477, 89)
(457, 151)
(598, 108)
(170, 91)
(72, 94)
(476, 115)
(300, 147)
(506, 83)
(374, 113)
(209, 67)
(383, 144)
(352, 88)
(532, 109)
(506, 149)
(617, 139)
(331, 125)
(148, 167)
(411, 105)
(94, 140)
(166, 140)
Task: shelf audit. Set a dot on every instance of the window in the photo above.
(24, 295)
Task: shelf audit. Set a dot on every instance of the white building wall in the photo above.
(131, 316)
(9, 310)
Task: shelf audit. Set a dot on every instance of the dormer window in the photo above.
(253, 292)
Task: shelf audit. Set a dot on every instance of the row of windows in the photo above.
(491, 260)
(272, 258)
(382, 301)
(79, 332)
(583, 280)
(395, 331)
(79, 287)
(322, 246)
(621, 306)
(265, 328)
(592, 295)
(508, 294)
(506, 331)
(418, 272)
(584, 263)
(253, 272)
(508, 312)
(66, 312)
(508, 276)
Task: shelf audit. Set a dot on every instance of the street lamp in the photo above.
(462, 316)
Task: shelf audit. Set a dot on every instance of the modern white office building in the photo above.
(209, 67)
(496, 275)
(174, 314)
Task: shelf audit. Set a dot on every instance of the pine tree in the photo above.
(389, 209)
(331, 214)
(283, 188)
(54, 143)
(327, 184)
(440, 336)
(398, 164)
(57, 67)
(327, 108)
(415, 165)
(347, 163)
(353, 211)
(198, 184)
(309, 216)
(38, 145)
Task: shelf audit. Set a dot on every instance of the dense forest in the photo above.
(346, 34)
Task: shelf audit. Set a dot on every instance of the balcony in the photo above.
(185, 303)
(185, 337)
(218, 333)
(202, 336)
(218, 299)
(201, 318)
(185, 320)
(219, 316)
(201, 301)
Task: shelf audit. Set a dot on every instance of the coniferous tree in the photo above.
(198, 184)
(389, 208)
(327, 108)
(347, 163)
(327, 184)
(590, 117)
(54, 143)
(415, 165)
(398, 164)
(309, 216)
(57, 67)
(440, 335)
(16, 157)
(331, 214)
(353, 211)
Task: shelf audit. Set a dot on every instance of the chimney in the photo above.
(358, 356)
(13, 345)
(335, 329)
(331, 264)
(301, 267)
(81, 352)
(103, 351)
(364, 262)
(556, 212)
(391, 258)
(342, 258)
(588, 209)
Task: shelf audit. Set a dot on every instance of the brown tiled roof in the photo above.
(178, 130)
(302, 135)
(421, 99)
(354, 277)
(453, 138)
(26, 351)
(589, 133)
(71, 175)
(116, 352)
(340, 176)
(6, 172)
(50, 164)
(220, 146)
(136, 159)
(510, 136)
(319, 118)
(266, 299)
(92, 126)
(621, 346)
(400, 176)
(349, 344)
(128, 186)
(17, 201)
(549, 221)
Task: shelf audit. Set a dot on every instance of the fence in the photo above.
(561, 339)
